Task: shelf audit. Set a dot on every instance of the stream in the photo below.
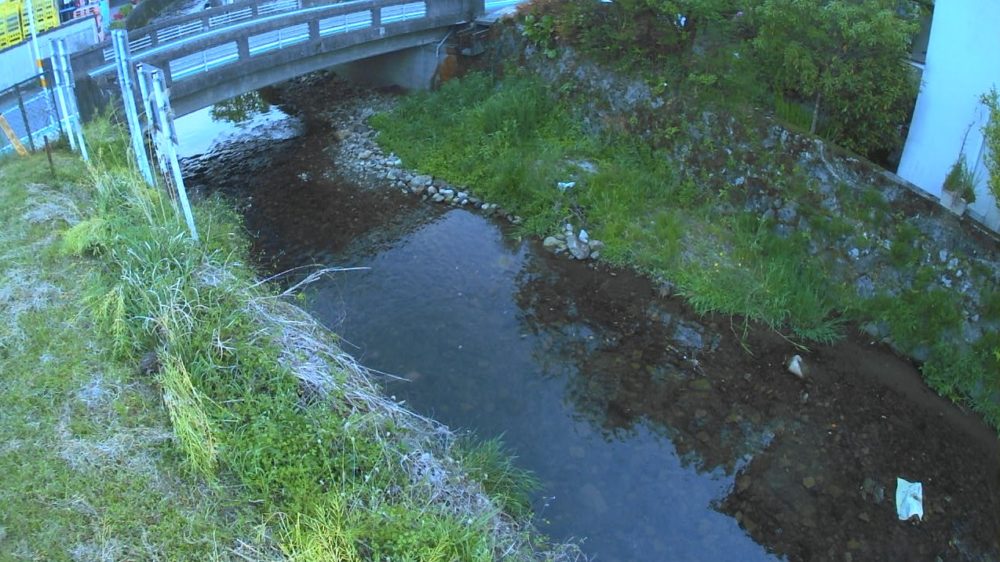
(657, 434)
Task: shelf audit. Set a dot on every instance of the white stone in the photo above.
(797, 366)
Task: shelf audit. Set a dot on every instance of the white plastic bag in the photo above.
(909, 499)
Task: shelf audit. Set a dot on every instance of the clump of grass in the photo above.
(961, 180)
(905, 250)
(185, 405)
(491, 465)
(87, 236)
(324, 535)
(919, 316)
(766, 278)
(968, 375)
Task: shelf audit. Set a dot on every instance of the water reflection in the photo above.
(639, 363)
(241, 108)
(247, 117)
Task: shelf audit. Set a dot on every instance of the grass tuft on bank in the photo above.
(248, 432)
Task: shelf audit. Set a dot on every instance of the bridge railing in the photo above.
(332, 18)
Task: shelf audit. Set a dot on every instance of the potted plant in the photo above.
(959, 187)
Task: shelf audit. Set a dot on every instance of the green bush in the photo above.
(846, 59)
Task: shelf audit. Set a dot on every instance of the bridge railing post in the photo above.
(243, 45)
(206, 21)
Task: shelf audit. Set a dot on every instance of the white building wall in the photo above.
(17, 63)
(963, 63)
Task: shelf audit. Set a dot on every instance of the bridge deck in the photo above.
(252, 43)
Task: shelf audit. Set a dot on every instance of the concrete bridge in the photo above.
(221, 52)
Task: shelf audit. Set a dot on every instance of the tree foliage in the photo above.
(846, 56)
(635, 32)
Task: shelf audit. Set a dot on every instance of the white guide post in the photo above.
(161, 123)
(76, 123)
(123, 61)
(60, 90)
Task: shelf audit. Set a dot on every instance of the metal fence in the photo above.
(29, 112)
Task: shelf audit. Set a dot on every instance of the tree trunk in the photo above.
(812, 127)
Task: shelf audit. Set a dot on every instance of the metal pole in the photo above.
(24, 116)
(50, 105)
(119, 39)
(48, 153)
(168, 138)
(36, 52)
(147, 100)
(60, 89)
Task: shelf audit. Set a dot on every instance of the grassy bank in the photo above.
(88, 468)
(660, 201)
(247, 433)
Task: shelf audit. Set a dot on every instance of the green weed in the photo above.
(918, 316)
(492, 465)
(905, 250)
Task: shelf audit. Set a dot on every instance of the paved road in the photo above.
(41, 118)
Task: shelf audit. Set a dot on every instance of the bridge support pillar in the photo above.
(412, 69)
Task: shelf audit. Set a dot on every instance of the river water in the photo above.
(656, 434)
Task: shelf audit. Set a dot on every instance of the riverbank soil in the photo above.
(814, 460)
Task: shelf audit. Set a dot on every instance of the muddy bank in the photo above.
(807, 467)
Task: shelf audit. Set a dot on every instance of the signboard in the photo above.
(101, 11)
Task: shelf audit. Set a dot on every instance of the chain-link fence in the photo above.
(28, 114)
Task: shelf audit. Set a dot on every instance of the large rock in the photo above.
(554, 244)
(577, 249)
